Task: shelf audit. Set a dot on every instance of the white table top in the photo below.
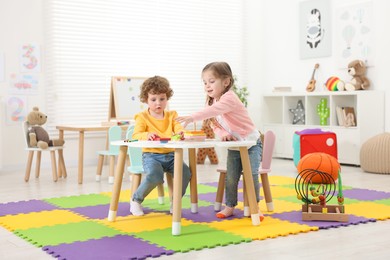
(185, 144)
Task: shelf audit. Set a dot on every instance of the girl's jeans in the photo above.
(155, 165)
(234, 171)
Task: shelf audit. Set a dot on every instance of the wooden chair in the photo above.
(265, 168)
(136, 170)
(114, 134)
(51, 149)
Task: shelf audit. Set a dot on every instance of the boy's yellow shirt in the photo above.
(165, 128)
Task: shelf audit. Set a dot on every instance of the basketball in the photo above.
(322, 162)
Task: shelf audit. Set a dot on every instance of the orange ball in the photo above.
(322, 162)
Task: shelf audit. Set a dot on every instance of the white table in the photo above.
(179, 146)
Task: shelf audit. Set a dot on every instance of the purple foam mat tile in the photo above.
(101, 211)
(296, 217)
(212, 184)
(210, 197)
(215, 184)
(365, 194)
(13, 208)
(117, 247)
(207, 215)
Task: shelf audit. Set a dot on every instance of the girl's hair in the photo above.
(221, 70)
(155, 85)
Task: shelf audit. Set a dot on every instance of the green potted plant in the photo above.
(242, 92)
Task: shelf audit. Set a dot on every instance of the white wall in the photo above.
(272, 54)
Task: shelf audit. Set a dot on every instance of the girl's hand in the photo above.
(227, 138)
(181, 135)
(185, 120)
(152, 136)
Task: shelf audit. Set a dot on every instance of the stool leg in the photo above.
(160, 192)
(267, 191)
(38, 164)
(170, 186)
(135, 182)
(220, 190)
(246, 204)
(112, 169)
(100, 167)
(28, 166)
(62, 163)
(54, 165)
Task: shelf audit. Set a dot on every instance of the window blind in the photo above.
(89, 41)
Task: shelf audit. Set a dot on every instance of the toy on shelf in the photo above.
(323, 111)
(334, 84)
(316, 196)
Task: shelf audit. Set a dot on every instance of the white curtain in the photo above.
(89, 41)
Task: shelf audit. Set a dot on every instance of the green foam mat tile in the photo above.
(66, 233)
(193, 237)
(80, 201)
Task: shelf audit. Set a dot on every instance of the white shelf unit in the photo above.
(369, 111)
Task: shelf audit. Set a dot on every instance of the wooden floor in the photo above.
(363, 241)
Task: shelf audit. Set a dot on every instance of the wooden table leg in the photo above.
(81, 157)
(177, 190)
(193, 181)
(249, 186)
(117, 183)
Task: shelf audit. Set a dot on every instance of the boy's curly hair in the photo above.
(155, 85)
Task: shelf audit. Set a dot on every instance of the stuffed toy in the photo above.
(357, 69)
(38, 136)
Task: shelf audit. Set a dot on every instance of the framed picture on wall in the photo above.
(315, 36)
(354, 34)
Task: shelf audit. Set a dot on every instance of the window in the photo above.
(89, 41)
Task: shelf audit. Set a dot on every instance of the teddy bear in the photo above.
(38, 136)
(357, 69)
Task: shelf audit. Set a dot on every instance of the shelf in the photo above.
(278, 118)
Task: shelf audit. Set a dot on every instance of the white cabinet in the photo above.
(369, 111)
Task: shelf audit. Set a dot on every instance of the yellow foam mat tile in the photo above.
(125, 195)
(281, 180)
(40, 219)
(278, 192)
(280, 206)
(369, 210)
(148, 222)
(269, 228)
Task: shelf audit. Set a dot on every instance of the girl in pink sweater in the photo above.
(231, 122)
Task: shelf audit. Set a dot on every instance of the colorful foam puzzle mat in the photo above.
(76, 227)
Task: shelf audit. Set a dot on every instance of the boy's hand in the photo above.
(228, 138)
(153, 137)
(185, 120)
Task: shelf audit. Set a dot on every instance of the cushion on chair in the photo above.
(375, 154)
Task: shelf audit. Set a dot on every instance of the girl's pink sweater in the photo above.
(233, 112)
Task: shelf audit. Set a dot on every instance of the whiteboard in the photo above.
(124, 97)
